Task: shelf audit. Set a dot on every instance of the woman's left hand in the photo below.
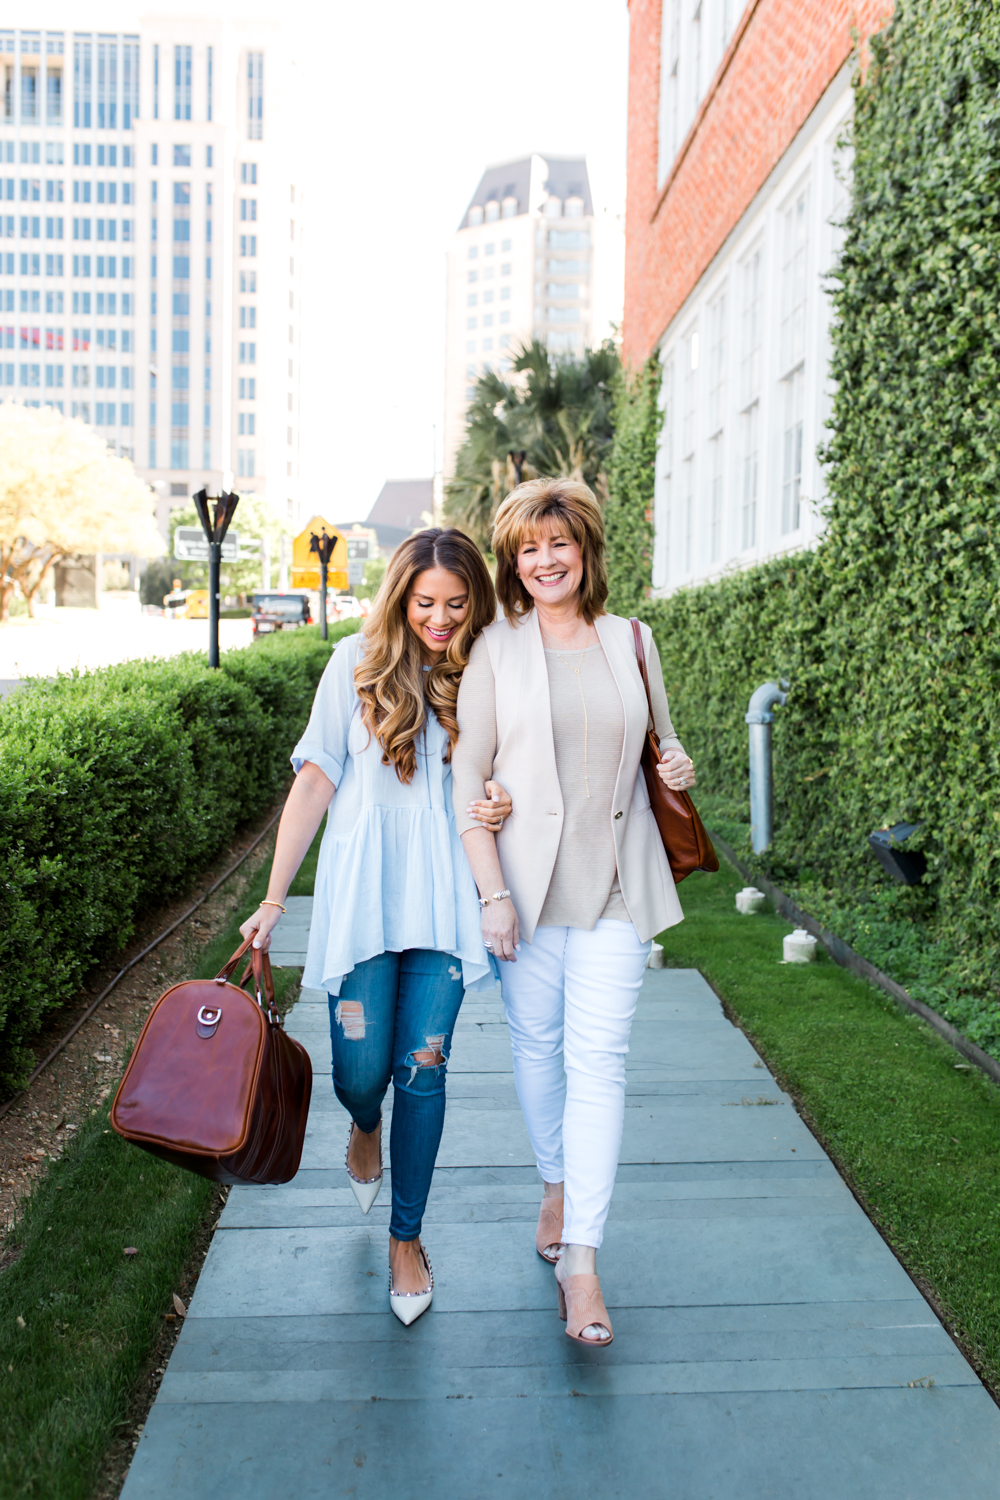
(676, 770)
(492, 814)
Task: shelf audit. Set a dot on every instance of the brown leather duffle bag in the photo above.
(215, 1083)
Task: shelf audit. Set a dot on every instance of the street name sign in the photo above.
(191, 545)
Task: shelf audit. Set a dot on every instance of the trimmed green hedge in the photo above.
(888, 630)
(116, 788)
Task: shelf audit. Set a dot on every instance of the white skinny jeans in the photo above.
(570, 999)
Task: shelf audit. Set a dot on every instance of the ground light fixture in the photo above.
(887, 845)
(215, 526)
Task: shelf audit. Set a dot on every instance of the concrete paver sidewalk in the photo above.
(768, 1345)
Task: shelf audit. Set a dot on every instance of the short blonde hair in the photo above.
(570, 504)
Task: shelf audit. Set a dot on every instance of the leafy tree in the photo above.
(63, 493)
(553, 416)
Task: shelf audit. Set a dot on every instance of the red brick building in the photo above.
(738, 176)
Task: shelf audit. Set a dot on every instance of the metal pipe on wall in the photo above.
(760, 718)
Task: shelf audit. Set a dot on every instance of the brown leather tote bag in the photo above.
(215, 1083)
(687, 844)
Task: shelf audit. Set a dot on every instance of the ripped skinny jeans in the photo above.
(393, 1021)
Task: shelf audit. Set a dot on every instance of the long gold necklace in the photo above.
(578, 670)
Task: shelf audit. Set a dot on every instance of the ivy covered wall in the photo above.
(888, 631)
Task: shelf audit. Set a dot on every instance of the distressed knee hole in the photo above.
(350, 1015)
(431, 1056)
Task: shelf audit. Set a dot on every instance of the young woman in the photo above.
(395, 937)
(553, 702)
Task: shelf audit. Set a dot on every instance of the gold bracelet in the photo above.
(272, 903)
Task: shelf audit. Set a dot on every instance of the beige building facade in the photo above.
(520, 267)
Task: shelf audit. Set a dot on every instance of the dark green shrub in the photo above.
(116, 787)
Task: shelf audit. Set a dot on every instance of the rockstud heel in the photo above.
(409, 1305)
(365, 1189)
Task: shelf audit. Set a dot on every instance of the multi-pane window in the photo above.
(751, 284)
(82, 83)
(716, 407)
(107, 83)
(54, 80)
(255, 96)
(248, 317)
(182, 83)
(795, 247)
(689, 427)
(130, 81)
(666, 518)
(791, 458)
(750, 422)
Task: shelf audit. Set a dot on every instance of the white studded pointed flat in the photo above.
(409, 1305)
(365, 1189)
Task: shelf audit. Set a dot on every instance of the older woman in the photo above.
(552, 703)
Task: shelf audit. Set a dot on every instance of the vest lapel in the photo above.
(616, 637)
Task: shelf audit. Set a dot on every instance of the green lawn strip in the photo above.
(90, 1313)
(913, 1128)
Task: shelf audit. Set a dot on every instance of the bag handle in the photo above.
(641, 658)
(259, 963)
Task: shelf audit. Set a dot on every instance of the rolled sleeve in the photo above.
(324, 742)
(473, 756)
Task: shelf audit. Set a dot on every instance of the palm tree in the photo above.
(552, 417)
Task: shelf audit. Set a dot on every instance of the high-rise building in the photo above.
(151, 246)
(520, 266)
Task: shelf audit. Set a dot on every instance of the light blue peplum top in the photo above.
(392, 872)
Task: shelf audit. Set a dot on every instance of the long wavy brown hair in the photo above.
(390, 679)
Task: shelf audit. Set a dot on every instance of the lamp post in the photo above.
(215, 528)
(323, 547)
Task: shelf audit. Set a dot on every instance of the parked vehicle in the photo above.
(186, 604)
(347, 607)
(279, 612)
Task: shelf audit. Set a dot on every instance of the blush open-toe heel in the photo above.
(365, 1189)
(580, 1304)
(550, 1230)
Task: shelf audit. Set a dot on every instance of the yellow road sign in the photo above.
(305, 564)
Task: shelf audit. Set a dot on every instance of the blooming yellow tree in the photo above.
(63, 493)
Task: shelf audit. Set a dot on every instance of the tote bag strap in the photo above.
(641, 658)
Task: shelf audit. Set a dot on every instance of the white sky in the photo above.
(419, 100)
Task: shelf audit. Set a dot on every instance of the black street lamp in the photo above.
(323, 547)
(215, 529)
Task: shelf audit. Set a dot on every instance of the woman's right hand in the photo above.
(263, 922)
(498, 922)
